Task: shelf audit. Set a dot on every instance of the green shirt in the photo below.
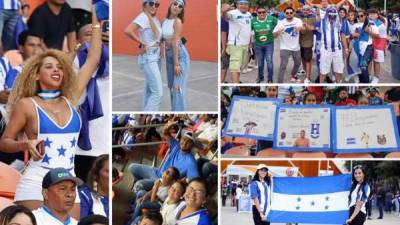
(263, 30)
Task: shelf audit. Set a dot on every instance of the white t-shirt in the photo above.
(167, 212)
(146, 33)
(289, 39)
(45, 217)
(360, 196)
(238, 192)
(239, 27)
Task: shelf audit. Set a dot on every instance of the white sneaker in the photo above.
(356, 79)
(301, 73)
(375, 80)
(307, 81)
(255, 67)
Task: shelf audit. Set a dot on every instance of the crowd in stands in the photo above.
(183, 188)
(304, 95)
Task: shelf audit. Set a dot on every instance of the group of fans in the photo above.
(346, 42)
(54, 81)
(297, 95)
(182, 189)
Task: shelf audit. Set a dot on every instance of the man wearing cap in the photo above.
(373, 99)
(59, 193)
(239, 36)
(179, 156)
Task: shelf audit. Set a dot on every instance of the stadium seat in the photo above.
(238, 151)
(14, 57)
(309, 155)
(270, 153)
(354, 155)
(9, 178)
(5, 202)
(393, 155)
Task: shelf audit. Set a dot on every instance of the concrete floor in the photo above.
(229, 216)
(128, 85)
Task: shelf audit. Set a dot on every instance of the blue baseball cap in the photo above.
(57, 175)
(242, 1)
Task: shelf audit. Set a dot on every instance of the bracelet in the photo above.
(96, 26)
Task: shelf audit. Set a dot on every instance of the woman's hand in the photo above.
(33, 151)
(263, 217)
(178, 70)
(348, 221)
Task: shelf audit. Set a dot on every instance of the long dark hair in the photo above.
(7, 214)
(94, 173)
(354, 183)
(267, 179)
(181, 15)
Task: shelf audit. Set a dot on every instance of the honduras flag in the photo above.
(319, 200)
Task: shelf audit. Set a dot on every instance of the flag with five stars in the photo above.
(319, 200)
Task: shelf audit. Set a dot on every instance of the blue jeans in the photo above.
(177, 84)
(144, 176)
(265, 52)
(8, 21)
(364, 61)
(150, 65)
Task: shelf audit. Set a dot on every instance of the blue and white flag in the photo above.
(319, 200)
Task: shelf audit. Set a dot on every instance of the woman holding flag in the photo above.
(358, 197)
(260, 192)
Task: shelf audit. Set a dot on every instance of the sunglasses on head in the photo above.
(179, 5)
(262, 12)
(357, 167)
(152, 4)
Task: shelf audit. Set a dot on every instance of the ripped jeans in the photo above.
(177, 84)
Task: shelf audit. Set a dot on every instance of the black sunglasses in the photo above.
(360, 16)
(289, 13)
(179, 5)
(262, 12)
(156, 4)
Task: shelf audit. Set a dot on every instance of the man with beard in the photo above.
(59, 193)
(52, 21)
(344, 98)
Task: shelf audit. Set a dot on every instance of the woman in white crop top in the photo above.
(145, 29)
(176, 55)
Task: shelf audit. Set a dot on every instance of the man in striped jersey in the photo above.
(8, 19)
(333, 43)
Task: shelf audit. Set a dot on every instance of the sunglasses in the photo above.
(262, 12)
(357, 167)
(179, 5)
(289, 13)
(152, 4)
(360, 16)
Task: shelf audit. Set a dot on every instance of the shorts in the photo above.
(225, 62)
(30, 185)
(306, 53)
(238, 57)
(379, 56)
(328, 59)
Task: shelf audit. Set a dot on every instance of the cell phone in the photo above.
(106, 26)
(40, 147)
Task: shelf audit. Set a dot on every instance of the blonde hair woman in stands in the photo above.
(43, 108)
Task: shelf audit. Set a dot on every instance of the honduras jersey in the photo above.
(44, 216)
(330, 34)
(59, 142)
(197, 218)
(9, 4)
